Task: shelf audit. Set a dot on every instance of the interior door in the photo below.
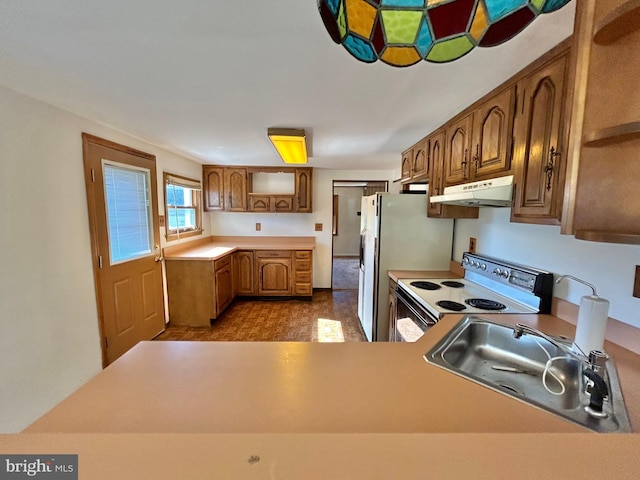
(123, 214)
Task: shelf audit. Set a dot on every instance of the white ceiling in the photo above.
(206, 78)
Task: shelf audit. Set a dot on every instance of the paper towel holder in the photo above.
(562, 277)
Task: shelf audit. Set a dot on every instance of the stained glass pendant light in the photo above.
(403, 32)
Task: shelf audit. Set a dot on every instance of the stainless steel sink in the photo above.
(488, 353)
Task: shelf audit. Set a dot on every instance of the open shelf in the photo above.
(613, 135)
(609, 237)
(620, 22)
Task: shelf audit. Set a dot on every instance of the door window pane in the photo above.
(128, 211)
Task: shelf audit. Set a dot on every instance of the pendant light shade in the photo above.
(290, 143)
(403, 32)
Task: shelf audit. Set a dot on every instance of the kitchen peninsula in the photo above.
(281, 387)
(204, 276)
(278, 405)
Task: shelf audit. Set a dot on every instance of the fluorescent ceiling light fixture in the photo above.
(290, 143)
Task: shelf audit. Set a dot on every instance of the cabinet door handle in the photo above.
(548, 169)
(476, 158)
(464, 163)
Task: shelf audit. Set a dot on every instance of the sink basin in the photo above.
(487, 353)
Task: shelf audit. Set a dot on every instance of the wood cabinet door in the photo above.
(259, 203)
(457, 152)
(235, 188)
(539, 145)
(420, 159)
(274, 276)
(213, 188)
(303, 190)
(282, 203)
(407, 163)
(224, 288)
(244, 270)
(436, 154)
(492, 135)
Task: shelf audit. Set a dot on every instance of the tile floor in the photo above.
(330, 316)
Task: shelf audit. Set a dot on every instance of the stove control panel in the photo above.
(526, 284)
(511, 274)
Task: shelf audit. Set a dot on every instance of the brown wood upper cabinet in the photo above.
(224, 188)
(304, 190)
(231, 189)
(416, 162)
(436, 143)
(457, 151)
(479, 143)
(540, 144)
(213, 187)
(492, 136)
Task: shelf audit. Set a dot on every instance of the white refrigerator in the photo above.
(396, 235)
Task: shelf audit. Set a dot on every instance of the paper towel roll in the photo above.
(592, 323)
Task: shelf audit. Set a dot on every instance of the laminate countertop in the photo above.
(290, 387)
(215, 247)
(310, 410)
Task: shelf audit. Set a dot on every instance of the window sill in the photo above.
(174, 236)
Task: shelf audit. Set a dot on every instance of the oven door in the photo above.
(412, 320)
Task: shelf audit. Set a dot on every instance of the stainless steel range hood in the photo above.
(485, 193)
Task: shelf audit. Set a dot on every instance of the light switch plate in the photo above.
(318, 227)
(636, 283)
(161, 220)
(258, 227)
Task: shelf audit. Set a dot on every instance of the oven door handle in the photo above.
(421, 316)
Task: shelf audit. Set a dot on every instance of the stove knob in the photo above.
(497, 272)
(505, 274)
(483, 267)
(465, 261)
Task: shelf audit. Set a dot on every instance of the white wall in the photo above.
(300, 224)
(609, 267)
(49, 338)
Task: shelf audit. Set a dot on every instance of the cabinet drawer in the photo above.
(303, 289)
(303, 277)
(222, 262)
(303, 254)
(303, 265)
(273, 253)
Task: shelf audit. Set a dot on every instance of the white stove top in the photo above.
(429, 298)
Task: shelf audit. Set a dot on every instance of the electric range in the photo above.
(489, 285)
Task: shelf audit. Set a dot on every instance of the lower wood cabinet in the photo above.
(274, 272)
(223, 283)
(243, 273)
(303, 271)
(198, 290)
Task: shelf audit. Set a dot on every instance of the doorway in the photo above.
(347, 199)
(125, 243)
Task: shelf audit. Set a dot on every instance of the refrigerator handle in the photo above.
(361, 250)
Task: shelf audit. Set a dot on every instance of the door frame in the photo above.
(335, 203)
(87, 141)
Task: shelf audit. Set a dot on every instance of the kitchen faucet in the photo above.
(595, 370)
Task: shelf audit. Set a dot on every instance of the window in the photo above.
(129, 220)
(182, 201)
